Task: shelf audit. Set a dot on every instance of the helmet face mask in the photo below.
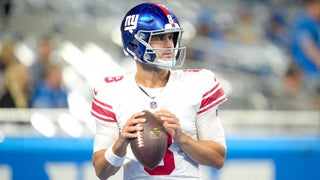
(148, 20)
(151, 54)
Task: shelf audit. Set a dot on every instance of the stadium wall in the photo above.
(70, 158)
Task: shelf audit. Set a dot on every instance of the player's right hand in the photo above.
(129, 131)
(130, 128)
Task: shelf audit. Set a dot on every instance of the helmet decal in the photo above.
(131, 23)
(166, 12)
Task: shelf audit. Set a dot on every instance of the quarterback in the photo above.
(185, 100)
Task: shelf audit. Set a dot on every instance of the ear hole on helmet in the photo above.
(175, 38)
(134, 46)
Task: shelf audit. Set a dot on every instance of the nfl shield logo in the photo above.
(153, 104)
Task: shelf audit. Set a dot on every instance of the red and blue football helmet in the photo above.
(144, 21)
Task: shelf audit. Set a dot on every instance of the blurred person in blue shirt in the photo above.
(305, 47)
(44, 53)
(49, 93)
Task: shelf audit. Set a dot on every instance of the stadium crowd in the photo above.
(224, 41)
(37, 86)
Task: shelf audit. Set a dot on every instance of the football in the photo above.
(151, 144)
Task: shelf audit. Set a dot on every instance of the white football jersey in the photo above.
(193, 95)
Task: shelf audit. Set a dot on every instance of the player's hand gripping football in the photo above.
(130, 129)
(170, 122)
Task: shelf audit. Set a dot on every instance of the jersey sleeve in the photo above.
(208, 122)
(102, 111)
(101, 104)
(213, 94)
(209, 126)
(106, 135)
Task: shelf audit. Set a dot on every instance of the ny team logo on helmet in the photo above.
(144, 21)
(131, 22)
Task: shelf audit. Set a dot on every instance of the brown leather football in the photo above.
(151, 144)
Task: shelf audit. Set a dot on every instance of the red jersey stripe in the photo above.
(101, 118)
(104, 112)
(211, 95)
(102, 103)
(212, 105)
(210, 91)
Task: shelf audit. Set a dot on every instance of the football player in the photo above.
(185, 100)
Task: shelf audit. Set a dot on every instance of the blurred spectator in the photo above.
(317, 99)
(15, 82)
(305, 45)
(246, 29)
(5, 12)
(276, 30)
(206, 29)
(206, 26)
(292, 95)
(292, 80)
(50, 93)
(44, 54)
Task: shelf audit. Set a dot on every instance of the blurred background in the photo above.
(52, 52)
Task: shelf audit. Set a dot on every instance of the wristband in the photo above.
(113, 159)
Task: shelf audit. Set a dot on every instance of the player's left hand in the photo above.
(170, 122)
